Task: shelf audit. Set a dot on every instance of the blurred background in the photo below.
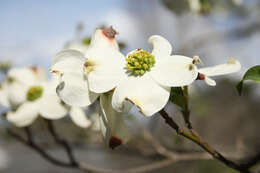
(32, 32)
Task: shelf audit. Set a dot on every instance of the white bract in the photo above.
(206, 73)
(77, 114)
(149, 76)
(41, 100)
(86, 75)
(112, 123)
(19, 80)
(4, 101)
(79, 117)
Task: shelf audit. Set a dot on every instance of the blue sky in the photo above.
(32, 32)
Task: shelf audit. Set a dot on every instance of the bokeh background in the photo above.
(32, 32)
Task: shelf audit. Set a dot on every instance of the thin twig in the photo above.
(198, 140)
(251, 161)
(62, 142)
(171, 154)
(39, 150)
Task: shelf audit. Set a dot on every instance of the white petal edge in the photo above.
(17, 93)
(24, 115)
(74, 91)
(68, 62)
(210, 81)
(50, 106)
(230, 67)
(161, 46)
(144, 92)
(108, 69)
(24, 75)
(100, 40)
(79, 117)
(174, 71)
(4, 95)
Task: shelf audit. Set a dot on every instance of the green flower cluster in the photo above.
(140, 62)
(34, 93)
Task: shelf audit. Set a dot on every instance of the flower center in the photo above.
(89, 66)
(34, 93)
(139, 62)
(86, 41)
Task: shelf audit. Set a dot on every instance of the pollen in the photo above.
(139, 62)
(89, 66)
(34, 93)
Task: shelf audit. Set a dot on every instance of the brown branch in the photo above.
(251, 161)
(84, 166)
(174, 155)
(36, 148)
(198, 140)
(62, 142)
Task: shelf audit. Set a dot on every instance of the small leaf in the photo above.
(252, 74)
(177, 96)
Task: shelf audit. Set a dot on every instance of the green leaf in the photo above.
(177, 96)
(252, 74)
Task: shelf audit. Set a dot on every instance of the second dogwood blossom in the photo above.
(149, 76)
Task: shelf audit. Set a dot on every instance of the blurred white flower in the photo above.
(85, 76)
(112, 123)
(33, 95)
(42, 100)
(19, 80)
(4, 95)
(149, 76)
(230, 67)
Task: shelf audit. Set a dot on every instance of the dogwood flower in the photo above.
(112, 123)
(206, 73)
(17, 82)
(149, 76)
(41, 100)
(85, 75)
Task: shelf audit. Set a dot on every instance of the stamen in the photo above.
(197, 60)
(139, 62)
(89, 66)
(231, 61)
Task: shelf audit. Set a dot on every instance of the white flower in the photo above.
(4, 95)
(230, 67)
(112, 123)
(85, 76)
(18, 81)
(148, 77)
(40, 99)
